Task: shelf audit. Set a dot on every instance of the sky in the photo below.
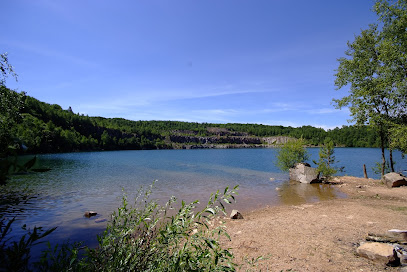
(267, 62)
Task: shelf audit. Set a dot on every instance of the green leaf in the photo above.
(28, 165)
(210, 210)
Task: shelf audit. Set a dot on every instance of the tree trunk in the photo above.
(382, 147)
(391, 159)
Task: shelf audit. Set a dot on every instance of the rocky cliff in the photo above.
(191, 142)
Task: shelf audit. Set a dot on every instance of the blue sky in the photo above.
(259, 61)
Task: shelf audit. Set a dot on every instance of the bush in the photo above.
(326, 160)
(145, 237)
(291, 153)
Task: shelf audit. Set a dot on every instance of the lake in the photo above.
(79, 182)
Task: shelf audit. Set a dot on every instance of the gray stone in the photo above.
(235, 214)
(394, 180)
(401, 254)
(379, 252)
(303, 173)
(399, 235)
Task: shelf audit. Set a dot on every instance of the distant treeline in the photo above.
(47, 128)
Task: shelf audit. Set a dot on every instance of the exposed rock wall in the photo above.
(228, 140)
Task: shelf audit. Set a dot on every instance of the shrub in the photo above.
(326, 160)
(291, 153)
(145, 237)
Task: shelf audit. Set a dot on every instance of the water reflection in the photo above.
(295, 193)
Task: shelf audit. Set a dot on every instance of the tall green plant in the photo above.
(15, 254)
(326, 160)
(291, 153)
(147, 236)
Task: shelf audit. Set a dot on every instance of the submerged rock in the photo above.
(304, 173)
(90, 214)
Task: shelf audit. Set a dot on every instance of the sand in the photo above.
(320, 236)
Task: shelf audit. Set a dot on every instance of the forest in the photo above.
(46, 128)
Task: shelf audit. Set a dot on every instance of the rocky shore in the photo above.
(322, 236)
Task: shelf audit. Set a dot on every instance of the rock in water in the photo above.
(303, 173)
(379, 252)
(235, 214)
(394, 180)
(90, 214)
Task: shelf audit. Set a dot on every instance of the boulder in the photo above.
(304, 173)
(379, 252)
(90, 214)
(394, 180)
(235, 214)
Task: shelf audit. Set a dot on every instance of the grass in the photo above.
(402, 209)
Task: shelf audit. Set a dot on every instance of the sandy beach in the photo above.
(320, 236)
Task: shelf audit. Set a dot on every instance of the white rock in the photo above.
(304, 173)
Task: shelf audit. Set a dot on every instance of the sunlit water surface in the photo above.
(79, 182)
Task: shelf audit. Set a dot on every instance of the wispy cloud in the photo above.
(322, 111)
(45, 51)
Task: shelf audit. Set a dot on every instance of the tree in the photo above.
(394, 18)
(291, 153)
(376, 74)
(326, 160)
(10, 106)
(5, 69)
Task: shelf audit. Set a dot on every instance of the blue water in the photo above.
(79, 182)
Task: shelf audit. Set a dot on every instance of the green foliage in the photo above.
(152, 237)
(10, 166)
(45, 128)
(326, 160)
(144, 237)
(5, 69)
(398, 135)
(291, 153)
(376, 72)
(377, 169)
(63, 257)
(10, 115)
(15, 255)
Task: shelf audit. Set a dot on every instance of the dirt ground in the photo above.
(321, 236)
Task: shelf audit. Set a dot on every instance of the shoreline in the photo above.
(320, 236)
